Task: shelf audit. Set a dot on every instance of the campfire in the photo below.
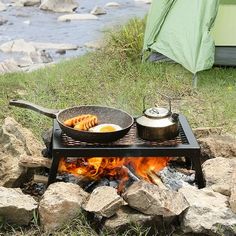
(120, 169)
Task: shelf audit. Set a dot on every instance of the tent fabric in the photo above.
(179, 29)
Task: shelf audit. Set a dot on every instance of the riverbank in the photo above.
(23, 23)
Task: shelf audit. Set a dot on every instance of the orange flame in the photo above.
(112, 167)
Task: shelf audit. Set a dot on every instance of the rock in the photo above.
(104, 201)
(218, 146)
(144, 1)
(24, 61)
(150, 199)
(94, 44)
(208, 213)
(16, 142)
(9, 66)
(124, 217)
(59, 5)
(29, 2)
(70, 17)
(98, 11)
(218, 174)
(27, 22)
(232, 200)
(2, 7)
(57, 46)
(40, 57)
(3, 21)
(61, 51)
(61, 202)
(112, 4)
(16, 207)
(19, 45)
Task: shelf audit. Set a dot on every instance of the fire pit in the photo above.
(184, 145)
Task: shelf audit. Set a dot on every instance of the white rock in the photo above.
(57, 46)
(144, 1)
(19, 45)
(2, 6)
(98, 11)
(16, 207)
(59, 5)
(9, 66)
(70, 17)
(208, 213)
(94, 44)
(104, 201)
(61, 202)
(112, 4)
(29, 2)
(3, 21)
(152, 200)
(16, 142)
(27, 22)
(218, 174)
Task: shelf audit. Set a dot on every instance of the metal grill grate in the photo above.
(130, 139)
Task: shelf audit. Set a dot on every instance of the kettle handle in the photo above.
(165, 96)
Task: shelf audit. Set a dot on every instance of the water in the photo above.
(44, 27)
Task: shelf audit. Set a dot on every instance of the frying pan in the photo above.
(104, 114)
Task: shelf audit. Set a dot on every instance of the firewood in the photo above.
(155, 179)
(40, 179)
(131, 174)
(32, 162)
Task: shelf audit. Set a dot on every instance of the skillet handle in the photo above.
(52, 113)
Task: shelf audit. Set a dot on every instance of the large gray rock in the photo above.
(16, 207)
(57, 46)
(126, 216)
(61, 202)
(9, 66)
(29, 2)
(2, 7)
(104, 201)
(218, 174)
(18, 45)
(70, 17)
(16, 142)
(150, 199)
(2, 20)
(98, 11)
(208, 213)
(232, 199)
(218, 146)
(59, 5)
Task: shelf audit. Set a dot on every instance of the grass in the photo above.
(98, 78)
(115, 76)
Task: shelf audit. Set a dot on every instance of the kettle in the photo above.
(158, 123)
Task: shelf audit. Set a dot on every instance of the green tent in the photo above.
(181, 30)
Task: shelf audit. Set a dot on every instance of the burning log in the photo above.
(131, 175)
(32, 162)
(155, 179)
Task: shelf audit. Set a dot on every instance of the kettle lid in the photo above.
(156, 112)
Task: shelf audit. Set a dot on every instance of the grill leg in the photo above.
(53, 170)
(198, 171)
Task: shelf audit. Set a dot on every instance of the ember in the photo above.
(117, 168)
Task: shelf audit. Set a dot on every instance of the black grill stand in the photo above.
(185, 145)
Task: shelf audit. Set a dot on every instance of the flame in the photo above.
(113, 167)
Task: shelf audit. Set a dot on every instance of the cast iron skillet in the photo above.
(104, 114)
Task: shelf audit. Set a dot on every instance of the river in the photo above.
(33, 24)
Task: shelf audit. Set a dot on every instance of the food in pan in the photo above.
(73, 121)
(87, 123)
(105, 128)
